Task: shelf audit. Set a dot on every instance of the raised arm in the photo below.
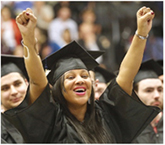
(26, 22)
(132, 60)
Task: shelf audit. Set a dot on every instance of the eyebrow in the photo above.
(18, 80)
(152, 87)
(72, 71)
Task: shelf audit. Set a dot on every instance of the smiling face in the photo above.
(150, 91)
(13, 90)
(77, 87)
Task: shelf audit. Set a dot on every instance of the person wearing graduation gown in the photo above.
(160, 62)
(14, 84)
(149, 89)
(68, 112)
(102, 78)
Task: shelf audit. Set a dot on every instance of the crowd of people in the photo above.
(107, 26)
(82, 98)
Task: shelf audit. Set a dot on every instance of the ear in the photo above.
(26, 81)
(2, 108)
(96, 82)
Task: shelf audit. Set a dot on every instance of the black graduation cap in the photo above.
(148, 69)
(103, 75)
(71, 56)
(11, 63)
(95, 53)
(160, 62)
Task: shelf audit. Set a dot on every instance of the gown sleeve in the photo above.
(33, 119)
(125, 115)
(9, 134)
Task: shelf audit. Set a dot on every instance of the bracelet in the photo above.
(26, 49)
(141, 37)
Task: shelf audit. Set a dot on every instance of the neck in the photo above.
(156, 119)
(79, 112)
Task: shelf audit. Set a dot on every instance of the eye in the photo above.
(160, 90)
(17, 83)
(70, 77)
(5, 88)
(149, 90)
(84, 76)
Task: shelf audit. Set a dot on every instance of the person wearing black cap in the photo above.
(149, 89)
(160, 62)
(68, 112)
(14, 81)
(14, 84)
(102, 78)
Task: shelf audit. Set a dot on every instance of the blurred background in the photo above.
(100, 25)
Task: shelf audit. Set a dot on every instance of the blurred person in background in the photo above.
(91, 41)
(60, 4)
(149, 89)
(154, 46)
(62, 22)
(44, 46)
(103, 78)
(10, 34)
(66, 35)
(44, 13)
(19, 6)
(76, 8)
(18, 51)
(89, 16)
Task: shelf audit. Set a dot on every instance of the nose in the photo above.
(156, 94)
(13, 90)
(79, 80)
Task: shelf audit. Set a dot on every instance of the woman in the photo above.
(68, 113)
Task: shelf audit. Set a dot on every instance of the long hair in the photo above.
(91, 130)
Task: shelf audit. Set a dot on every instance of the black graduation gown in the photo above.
(149, 136)
(44, 121)
(9, 134)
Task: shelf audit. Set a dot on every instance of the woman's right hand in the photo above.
(26, 22)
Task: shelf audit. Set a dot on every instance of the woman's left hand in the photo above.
(144, 20)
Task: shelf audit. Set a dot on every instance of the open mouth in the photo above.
(80, 91)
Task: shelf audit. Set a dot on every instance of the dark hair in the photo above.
(91, 130)
(11, 10)
(136, 86)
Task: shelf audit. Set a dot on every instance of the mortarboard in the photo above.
(103, 75)
(95, 53)
(160, 62)
(71, 56)
(11, 63)
(148, 69)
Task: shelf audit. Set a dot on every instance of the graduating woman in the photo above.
(68, 112)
